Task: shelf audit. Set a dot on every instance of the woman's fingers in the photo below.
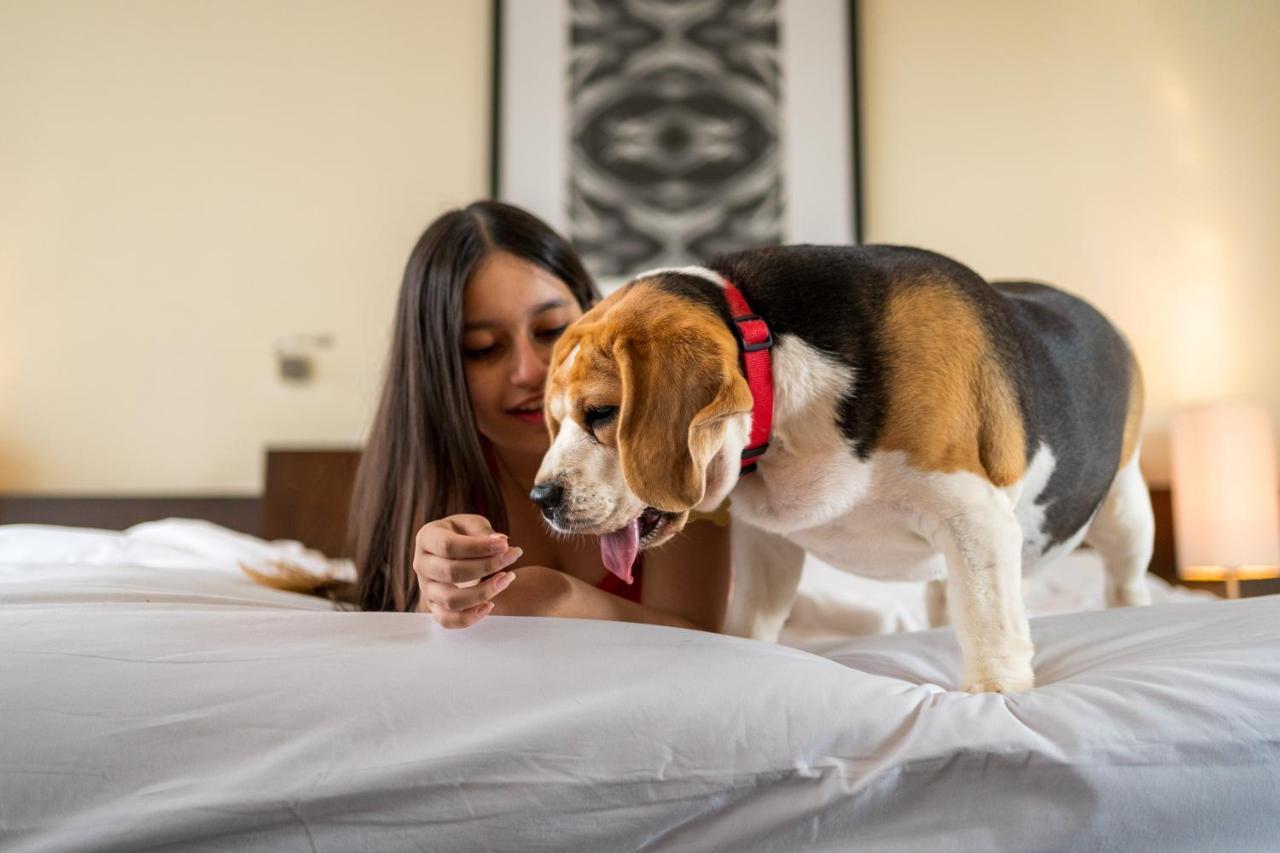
(465, 619)
(459, 562)
(443, 540)
(458, 599)
(431, 567)
(468, 524)
(454, 607)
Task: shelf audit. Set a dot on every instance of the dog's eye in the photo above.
(598, 416)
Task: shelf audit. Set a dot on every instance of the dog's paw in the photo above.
(1004, 679)
(997, 685)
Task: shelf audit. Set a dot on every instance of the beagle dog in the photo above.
(926, 425)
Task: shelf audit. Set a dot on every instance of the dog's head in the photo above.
(648, 414)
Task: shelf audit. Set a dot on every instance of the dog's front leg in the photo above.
(978, 534)
(766, 572)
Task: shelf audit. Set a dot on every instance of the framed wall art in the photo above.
(657, 133)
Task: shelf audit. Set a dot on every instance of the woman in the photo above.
(441, 497)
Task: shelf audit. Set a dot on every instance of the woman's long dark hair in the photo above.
(424, 458)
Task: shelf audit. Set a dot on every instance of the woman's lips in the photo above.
(529, 417)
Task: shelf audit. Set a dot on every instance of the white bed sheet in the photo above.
(146, 707)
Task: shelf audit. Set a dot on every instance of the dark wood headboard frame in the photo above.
(308, 493)
(238, 512)
(307, 497)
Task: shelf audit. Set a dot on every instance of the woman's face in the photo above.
(513, 311)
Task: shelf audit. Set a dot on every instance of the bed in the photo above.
(152, 697)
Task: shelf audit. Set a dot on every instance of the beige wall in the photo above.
(183, 183)
(1129, 151)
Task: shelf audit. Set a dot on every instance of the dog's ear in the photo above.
(676, 396)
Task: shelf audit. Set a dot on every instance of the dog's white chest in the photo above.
(874, 541)
(838, 508)
(872, 517)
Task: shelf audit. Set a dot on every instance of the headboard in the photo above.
(307, 496)
(308, 492)
(107, 512)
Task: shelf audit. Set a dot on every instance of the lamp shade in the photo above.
(1226, 501)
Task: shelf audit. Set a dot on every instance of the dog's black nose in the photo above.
(547, 496)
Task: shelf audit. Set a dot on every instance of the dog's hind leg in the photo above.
(766, 572)
(1123, 532)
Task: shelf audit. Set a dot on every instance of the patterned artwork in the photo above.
(674, 112)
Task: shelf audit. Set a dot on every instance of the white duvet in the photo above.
(152, 697)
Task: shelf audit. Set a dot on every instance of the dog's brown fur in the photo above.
(951, 405)
(643, 344)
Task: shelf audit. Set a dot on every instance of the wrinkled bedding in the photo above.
(154, 698)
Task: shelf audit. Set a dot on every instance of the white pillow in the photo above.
(174, 543)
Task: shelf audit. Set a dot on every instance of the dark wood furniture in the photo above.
(307, 495)
(239, 512)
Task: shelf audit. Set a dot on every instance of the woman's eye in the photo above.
(598, 416)
(552, 334)
(478, 353)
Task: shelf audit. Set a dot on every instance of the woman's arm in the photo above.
(540, 591)
(689, 576)
(686, 585)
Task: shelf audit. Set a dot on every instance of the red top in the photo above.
(615, 585)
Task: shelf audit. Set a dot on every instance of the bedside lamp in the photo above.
(1226, 501)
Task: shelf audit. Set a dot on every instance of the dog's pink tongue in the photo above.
(618, 549)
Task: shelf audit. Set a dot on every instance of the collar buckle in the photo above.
(752, 346)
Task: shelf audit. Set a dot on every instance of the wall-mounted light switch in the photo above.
(294, 355)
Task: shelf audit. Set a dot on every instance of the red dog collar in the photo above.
(754, 342)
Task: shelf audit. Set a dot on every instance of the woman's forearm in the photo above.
(540, 591)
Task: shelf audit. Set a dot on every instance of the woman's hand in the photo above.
(459, 562)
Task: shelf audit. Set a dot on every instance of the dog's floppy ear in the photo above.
(675, 398)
